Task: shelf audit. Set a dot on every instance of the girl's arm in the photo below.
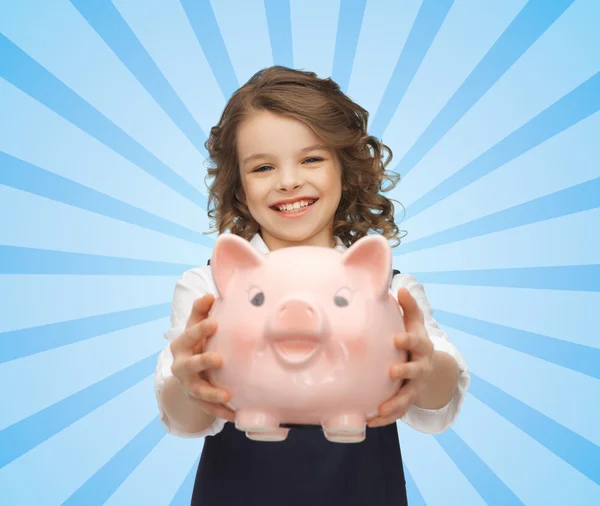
(440, 401)
(181, 415)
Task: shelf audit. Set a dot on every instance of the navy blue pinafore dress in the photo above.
(304, 470)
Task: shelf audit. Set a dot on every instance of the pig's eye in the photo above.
(343, 297)
(257, 298)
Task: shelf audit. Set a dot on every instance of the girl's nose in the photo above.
(289, 179)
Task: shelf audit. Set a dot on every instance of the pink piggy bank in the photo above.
(306, 334)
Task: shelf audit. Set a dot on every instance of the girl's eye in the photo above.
(262, 168)
(313, 159)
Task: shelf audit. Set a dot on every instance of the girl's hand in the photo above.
(416, 371)
(190, 363)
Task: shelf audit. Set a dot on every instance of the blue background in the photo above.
(491, 110)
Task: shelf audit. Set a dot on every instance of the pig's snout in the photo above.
(296, 331)
(297, 316)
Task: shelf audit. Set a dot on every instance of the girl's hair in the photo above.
(335, 119)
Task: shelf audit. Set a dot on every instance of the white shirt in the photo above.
(197, 282)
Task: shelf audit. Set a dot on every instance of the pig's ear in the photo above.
(230, 255)
(372, 255)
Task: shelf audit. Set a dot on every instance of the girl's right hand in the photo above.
(190, 363)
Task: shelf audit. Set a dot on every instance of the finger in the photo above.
(203, 361)
(207, 329)
(400, 340)
(399, 404)
(410, 393)
(424, 346)
(200, 310)
(218, 410)
(395, 406)
(407, 370)
(406, 341)
(418, 343)
(192, 340)
(413, 316)
(201, 389)
(186, 369)
(381, 421)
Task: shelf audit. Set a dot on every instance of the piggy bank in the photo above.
(306, 334)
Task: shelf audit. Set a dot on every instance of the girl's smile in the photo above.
(294, 208)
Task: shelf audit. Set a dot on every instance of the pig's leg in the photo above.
(276, 435)
(340, 437)
(345, 427)
(256, 420)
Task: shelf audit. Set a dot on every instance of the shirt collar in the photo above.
(259, 244)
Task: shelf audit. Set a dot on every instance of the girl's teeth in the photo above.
(296, 206)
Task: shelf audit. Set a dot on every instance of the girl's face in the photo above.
(291, 181)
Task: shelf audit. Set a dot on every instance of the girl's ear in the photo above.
(232, 255)
(371, 255)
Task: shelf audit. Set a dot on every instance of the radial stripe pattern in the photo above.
(492, 112)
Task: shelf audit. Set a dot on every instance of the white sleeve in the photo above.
(433, 421)
(194, 284)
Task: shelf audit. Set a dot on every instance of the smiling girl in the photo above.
(293, 165)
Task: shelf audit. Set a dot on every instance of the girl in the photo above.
(289, 137)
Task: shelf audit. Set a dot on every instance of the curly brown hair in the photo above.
(337, 120)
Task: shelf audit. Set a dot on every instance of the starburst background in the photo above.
(491, 110)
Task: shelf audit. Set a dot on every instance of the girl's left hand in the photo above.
(416, 342)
